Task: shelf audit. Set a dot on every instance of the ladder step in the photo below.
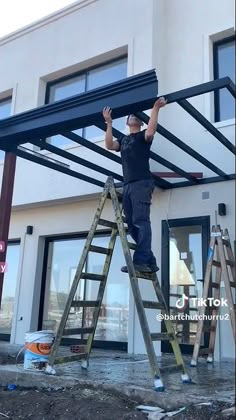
(230, 263)
(99, 249)
(77, 331)
(146, 276)
(178, 310)
(132, 245)
(203, 351)
(107, 223)
(85, 303)
(92, 276)
(216, 263)
(70, 358)
(152, 305)
(208, 328)
(162, 337)
(119, 196)
(214, 285)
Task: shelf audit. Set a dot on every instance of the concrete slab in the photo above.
(130, 375)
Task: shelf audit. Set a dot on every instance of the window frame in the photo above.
(216, 44)
(80, 73)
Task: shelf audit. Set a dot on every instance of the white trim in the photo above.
(79, 4)
(208, 40)
(226, 123)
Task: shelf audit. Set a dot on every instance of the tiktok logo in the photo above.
(181, 303)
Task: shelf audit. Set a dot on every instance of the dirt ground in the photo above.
(87, 404)
(82, 404)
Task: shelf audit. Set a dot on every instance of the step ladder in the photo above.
(220, 255)
(117, 228)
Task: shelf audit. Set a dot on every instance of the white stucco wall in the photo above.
(175, 38)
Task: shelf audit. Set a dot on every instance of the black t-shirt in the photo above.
(135, 154)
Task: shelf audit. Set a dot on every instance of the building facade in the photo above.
(86, 45)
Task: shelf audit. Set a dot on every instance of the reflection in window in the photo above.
(224, 65)
(5, 111)
(91, 79)
(185, 256)
(9, 288)
(63, 258)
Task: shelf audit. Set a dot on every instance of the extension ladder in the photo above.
(221, 256)
(117, 228)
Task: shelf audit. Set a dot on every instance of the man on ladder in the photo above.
(138, 182)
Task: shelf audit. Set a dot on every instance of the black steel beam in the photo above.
(231, 88)
(66, 155)
(197, 90)
(44, 162)
(183, 146)
(128, 95)
(92, 146)
(203, 181)
(206, 124)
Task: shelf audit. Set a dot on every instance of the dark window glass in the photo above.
(224, 65)
(5, 111)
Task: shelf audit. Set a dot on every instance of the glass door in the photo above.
(9, 290)
(185, 243)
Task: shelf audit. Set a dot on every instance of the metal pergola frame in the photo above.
(132, 95)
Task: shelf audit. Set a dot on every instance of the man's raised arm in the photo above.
(152, 124)
(109, 142)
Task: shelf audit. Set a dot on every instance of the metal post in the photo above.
(5, 206)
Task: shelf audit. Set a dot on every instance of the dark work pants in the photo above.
(137, 197)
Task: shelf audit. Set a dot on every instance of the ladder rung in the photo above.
(171, 368)
(162, 336)
(216, 263)
(231, 263)
(204, 351)
(119, 196)
(85, 303)
(146, 276)
(190, 309)
(76, 331)
(214, 285)
(152, 305)
(132, 245)
(70, 358)
(179, 295)
(107, 223)
(92, 276)
(208, 328)
(99, 249)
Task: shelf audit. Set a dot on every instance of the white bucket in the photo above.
(37, 349)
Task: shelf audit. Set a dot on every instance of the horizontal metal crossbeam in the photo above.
(206, 124)
(128, 95)
(183, 146)
(77, 159)
(57, 167)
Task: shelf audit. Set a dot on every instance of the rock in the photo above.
(228, 412)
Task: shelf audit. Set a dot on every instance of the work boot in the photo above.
(142, 268)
